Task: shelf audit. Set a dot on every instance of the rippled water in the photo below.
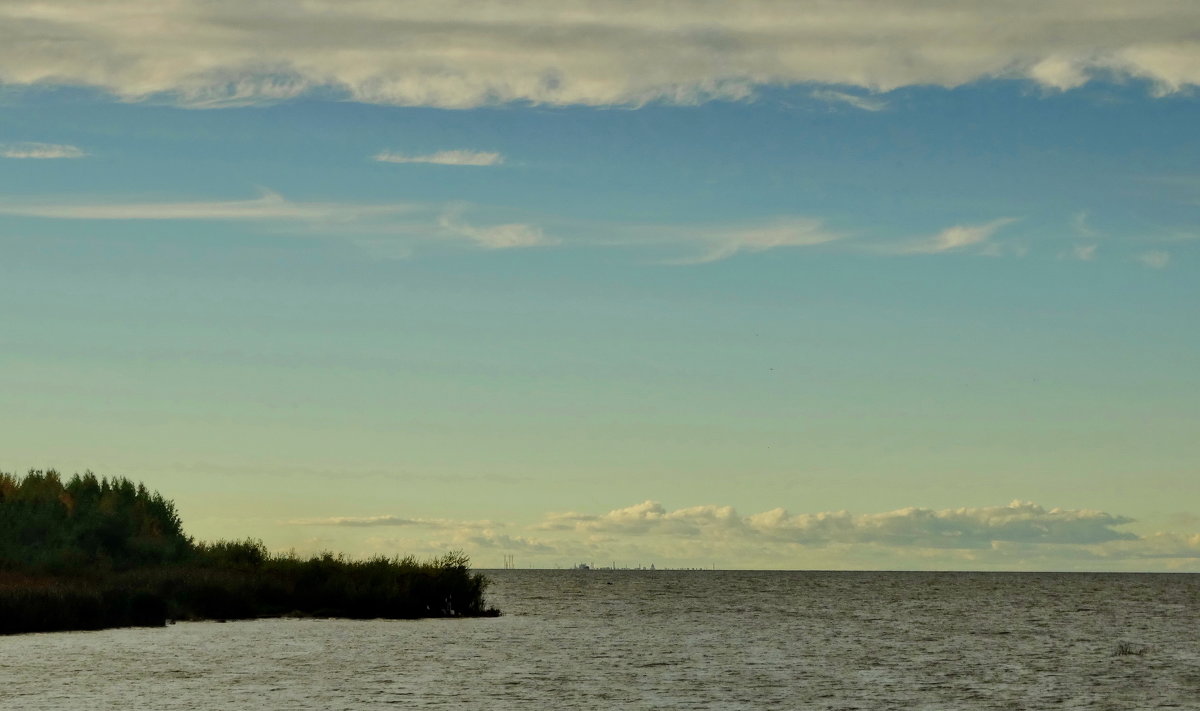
(667, 640)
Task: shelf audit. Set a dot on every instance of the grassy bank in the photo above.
(91, 553)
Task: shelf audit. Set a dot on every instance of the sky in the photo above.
(831, 285)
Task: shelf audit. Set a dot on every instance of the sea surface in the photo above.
(666, 640)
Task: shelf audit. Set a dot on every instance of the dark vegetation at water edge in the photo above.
(89, 553)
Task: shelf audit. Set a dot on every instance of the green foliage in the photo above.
(90, 553)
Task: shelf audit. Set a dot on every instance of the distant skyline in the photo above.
(765, 285)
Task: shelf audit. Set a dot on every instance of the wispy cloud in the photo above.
(470, 158)
(1155, 259)
(866, 103)
(399, 229)
(386, 229)
(43, 151)
(1082, 252)
(426, 53)
(269, 206)
(503, 236)
(390, 521)
(957, 238)
(1081, 225)
(377, 225)
(717, 243)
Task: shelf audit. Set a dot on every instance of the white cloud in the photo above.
(1061, 72)
(1155, 259)
(451, 53)
(724, 242)
(866, 103)
(955, 239)
(475, 158)
(43, 151)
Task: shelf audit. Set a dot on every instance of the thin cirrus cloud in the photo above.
(268, 206)
(1155, 259)
(1083, 252)
(505, 236)
(957, 238)
(40, 151)
(712, 244)
(393, 521)
(366, 220)
(373, 225)
(866, 103)
(378, 226)
(455, 54)
(457, 157)
(1082, 226)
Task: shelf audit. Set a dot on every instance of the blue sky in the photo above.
(832, 288)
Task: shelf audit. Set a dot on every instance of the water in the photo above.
(666, 640)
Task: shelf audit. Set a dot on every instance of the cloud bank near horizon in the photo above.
(1018, 534)
(1018, 522)
(207, 53)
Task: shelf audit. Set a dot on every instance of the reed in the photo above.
(66, 604)
(1129, 649)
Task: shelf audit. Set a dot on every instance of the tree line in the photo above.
(88, 552)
